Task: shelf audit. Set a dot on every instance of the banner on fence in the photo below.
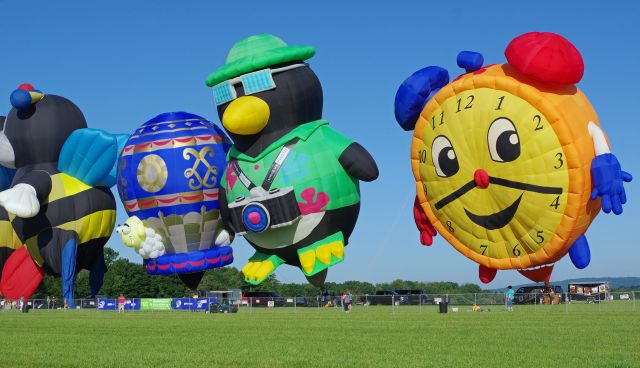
(112, 304)
(155, 304)
(192, 303)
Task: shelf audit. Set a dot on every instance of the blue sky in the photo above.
(123, 62)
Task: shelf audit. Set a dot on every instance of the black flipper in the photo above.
(51, 243)
(318, 279)
(96, 275)
(358, 163)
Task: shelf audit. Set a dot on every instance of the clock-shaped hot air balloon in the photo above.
(510, 162)
(169, 175)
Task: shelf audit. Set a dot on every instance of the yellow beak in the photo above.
(246, 115)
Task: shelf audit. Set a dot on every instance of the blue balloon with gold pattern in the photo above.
(168, 177)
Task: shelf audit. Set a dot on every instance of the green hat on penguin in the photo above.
(246, 92)
(245, 88)
(255, 53)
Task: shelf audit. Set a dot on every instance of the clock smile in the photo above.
(496, 220)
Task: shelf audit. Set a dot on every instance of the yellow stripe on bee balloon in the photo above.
(63, 185)
(34, 250)
(96, 225)
(9, 236)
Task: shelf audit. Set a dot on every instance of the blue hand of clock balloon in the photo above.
(608, 179)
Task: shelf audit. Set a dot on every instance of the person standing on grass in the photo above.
(509, 298)
(121, 301)
(350, 299)
(345, 301)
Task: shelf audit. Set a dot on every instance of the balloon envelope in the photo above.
(168, 176)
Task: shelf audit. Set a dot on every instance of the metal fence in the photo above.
(415, 303)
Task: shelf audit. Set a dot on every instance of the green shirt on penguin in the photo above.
(291, 184)
(311, 167)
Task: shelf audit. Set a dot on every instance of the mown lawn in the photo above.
(542, 336)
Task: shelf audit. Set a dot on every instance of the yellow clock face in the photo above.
(493, 171)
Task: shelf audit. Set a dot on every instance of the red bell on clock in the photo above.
(546, 57)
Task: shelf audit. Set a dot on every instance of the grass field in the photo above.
(542, 336)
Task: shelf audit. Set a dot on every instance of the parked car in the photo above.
(412, 297)
(261, 298)
(396, 297)
(536, 294)
(301, 301)
(224, 307)
(381, 297)
(89, 303)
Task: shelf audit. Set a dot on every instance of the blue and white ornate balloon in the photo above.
(169, 174)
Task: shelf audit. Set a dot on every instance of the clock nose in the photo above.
(481, 178)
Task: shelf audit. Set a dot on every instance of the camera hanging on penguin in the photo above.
(57, 212)
(291, 184)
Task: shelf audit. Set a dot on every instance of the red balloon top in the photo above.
(26, 87)
(547, 57)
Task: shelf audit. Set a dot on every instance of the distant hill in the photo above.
(614, 282)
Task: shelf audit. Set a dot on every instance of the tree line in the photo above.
(131, 279)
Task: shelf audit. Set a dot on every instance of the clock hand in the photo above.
(524, 186)
(455, 195)
(497, 181)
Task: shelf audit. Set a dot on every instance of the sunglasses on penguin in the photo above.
(254, 82)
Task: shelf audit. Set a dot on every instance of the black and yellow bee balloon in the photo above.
(56, 208)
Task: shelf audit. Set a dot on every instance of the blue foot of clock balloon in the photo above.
(579, 252)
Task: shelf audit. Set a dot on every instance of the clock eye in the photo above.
(504, 143)
(444, 157)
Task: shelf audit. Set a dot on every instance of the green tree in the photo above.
(132, 280)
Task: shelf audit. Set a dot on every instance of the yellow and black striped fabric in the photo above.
(87, 211)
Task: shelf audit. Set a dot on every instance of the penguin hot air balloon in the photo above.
(291, 184)
(510, 162)
(58, 212)
(169, 175)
